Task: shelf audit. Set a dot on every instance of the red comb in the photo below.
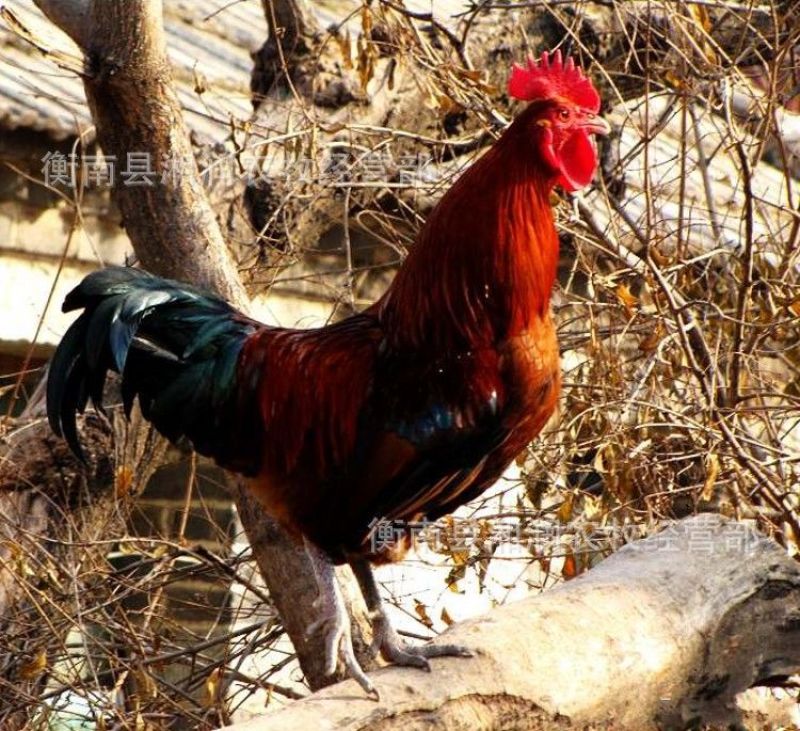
(550, 78)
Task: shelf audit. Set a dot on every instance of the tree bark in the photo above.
(292, 28)
(129, 88)
(663, 634)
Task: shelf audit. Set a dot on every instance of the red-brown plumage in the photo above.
(465, 322)
(483, 267)
(404, 411)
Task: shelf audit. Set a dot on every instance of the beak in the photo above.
(594, 124)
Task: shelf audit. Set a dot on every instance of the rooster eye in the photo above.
(563, 114)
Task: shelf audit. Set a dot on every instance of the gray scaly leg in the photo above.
(335, 621)
(392, 647)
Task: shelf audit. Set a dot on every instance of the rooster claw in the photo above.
(334, 623)
(339, 646)
(396, 651)
(419, 657)
(452, 651)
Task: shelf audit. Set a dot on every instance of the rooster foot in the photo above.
(398, 652)
(334, 622)
(339, 646)
(386, 640)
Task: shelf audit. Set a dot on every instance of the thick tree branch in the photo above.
(289, 21)
(296, 60)
(70, 15)
(130, 91)
(663, 634)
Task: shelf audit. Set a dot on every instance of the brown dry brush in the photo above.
(678, 306)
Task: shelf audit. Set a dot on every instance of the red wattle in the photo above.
(577, 161)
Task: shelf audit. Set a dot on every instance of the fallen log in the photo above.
(663, 634)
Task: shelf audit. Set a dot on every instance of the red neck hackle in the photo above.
(483, 267)
(484, 263)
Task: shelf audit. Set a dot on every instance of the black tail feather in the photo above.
(176, 347)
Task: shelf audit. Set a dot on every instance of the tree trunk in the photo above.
(663, 634)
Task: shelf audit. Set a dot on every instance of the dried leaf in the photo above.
(699, 13)
(565, 511)
(367, 53)
(366, 20)
(366, 69)
(675, 81)
(570, 568)
(422, 613)
(651, 342)
(628, 300)
(200, 82)
(345, 48)
(123, 480)
(213, 687)
(459, 557)
(446, 618)
(659, 258)
(145, 684)
(456, 574)
(476, 76)
(472, 74)
(34, 667)
(712, 472)
(21, 564)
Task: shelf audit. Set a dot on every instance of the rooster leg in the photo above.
(335, 621)
(392, 647)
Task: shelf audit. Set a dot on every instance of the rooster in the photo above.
(402, 412)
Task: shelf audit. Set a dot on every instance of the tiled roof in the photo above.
(210, 40)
